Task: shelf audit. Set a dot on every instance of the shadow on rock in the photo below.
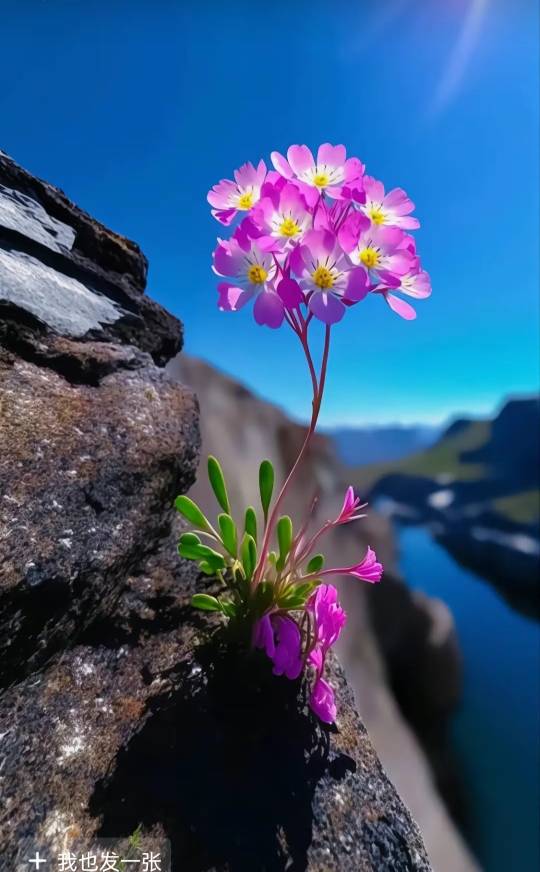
(226, 764)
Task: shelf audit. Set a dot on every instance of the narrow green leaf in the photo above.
(188, 546)
(250, 524)
(217, 480)
(295, 596)
(206, 602)
(191, 512)
(248, 555)
(266, 485)
(316, 563)
(227, 528)
(285, 535)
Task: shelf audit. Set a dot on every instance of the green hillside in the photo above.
(443, 458)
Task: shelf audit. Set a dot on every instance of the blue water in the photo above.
(496, 732)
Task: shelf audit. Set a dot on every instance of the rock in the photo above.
(122, 707)
(63, 273)
(394, 644)
(143, 723)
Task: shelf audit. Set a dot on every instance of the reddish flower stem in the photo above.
(318, 390)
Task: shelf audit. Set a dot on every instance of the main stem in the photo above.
(318, 390)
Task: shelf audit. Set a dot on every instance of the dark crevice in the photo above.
(227, 733)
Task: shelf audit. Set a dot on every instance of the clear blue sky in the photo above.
(137, 108)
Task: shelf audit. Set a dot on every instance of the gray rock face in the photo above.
(61, 302)
(121, 706)
(28, 217)
(62, 274)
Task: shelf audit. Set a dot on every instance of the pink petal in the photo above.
(354, 170)
(281, 165)
(400, 307)
(350, 231)
(326, 307)
(320, 243)
(224, 216)
(300, 158)
(322, 701)
(232, 298)
(290, 293)
(332, 155)
(268, 309)
(220, 193)
(357, 284)
(374, 189)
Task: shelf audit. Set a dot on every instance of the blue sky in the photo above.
(137, 108)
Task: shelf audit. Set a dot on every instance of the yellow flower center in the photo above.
(321, 180)
(245, 202)
(256, 274)
(376, 215)
(289, 228)
(322, 277)
(369, 257)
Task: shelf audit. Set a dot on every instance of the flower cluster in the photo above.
(316, 237)
(279, 598)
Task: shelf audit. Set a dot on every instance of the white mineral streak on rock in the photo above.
(61, 302)
(27, 216)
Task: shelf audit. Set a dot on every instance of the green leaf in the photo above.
(228, 608)
(191, 547)
(188, 546)
(191, 512)
(248, 554)
(205, 602)
(264, 596)
(295, 596)
(285, 535)
(250, 524)
(266, 485)
(315, 564)
(217, 480)
(227, 528)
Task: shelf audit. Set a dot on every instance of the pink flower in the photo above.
(350, 506)
(415, 284)
(327, 275)
(329, 619)
(390, 209)
(383, 251)
(369, 569)
(332, 173)
(230, 197)
(282, 213)
(280, 637)
(252, 266)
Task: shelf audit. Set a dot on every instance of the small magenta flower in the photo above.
(383, 251)
(280, 638)
(328, 619)
(230, 197)
(327, 276)
(389, 209)
(282, 213)
(369, 569)
(253, 267)
(415, 284)
(350, 506)
(332, 173)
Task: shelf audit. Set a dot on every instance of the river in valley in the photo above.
(496, 731)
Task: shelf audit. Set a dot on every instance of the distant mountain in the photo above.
(358, 446)
(479, 485)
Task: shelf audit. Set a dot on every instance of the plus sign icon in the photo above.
(36, 861)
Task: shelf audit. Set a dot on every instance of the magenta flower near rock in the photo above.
(314, 239)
